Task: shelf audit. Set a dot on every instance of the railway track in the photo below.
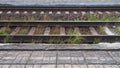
(59, 24)
(60, 13)
(79, 32)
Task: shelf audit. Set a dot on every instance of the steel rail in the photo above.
(61, 8)
(60, 23)
(46, 38)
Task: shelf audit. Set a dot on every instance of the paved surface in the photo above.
(61, 2)
(53, 47)
(59, 59)
(92, 56)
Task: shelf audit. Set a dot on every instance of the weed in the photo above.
(101, 30)
(56, 40)
(92, 17)
(5, 30)
(77, 33)
(96, 41)
(23, 30)
(113, 19)
(75, 39)
(62, 41)
(51, 40)
(70, 31)
(105, 18)
(117, 30)
(7, 39)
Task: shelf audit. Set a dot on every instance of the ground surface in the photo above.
(73, 56)
(60, 2)
(60, 59)
(53, 47)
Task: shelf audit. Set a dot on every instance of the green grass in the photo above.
(105, 18)
(75, 40)
(92, 17)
